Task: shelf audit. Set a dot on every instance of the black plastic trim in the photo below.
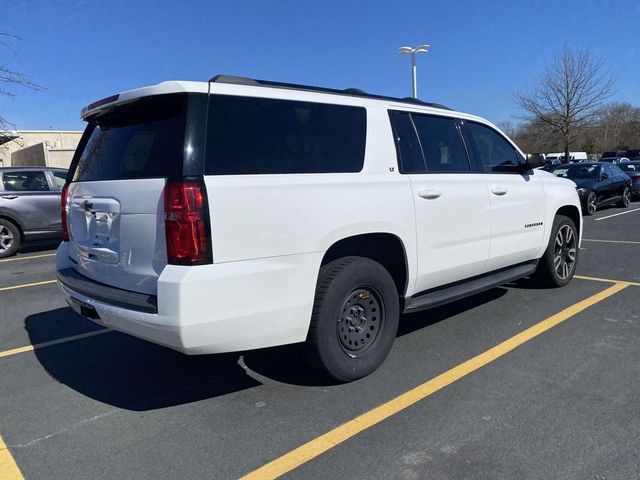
(352, 92)
(77, 282)
(455, 291)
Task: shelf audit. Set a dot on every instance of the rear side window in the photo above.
(26, 181)
(141, 140)
(441, 144)
(490, 149)
(409, 150)
(267, 136)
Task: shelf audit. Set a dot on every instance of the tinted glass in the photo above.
(60, 178)
(615, 170)
(267, 136)
(26, 181)
(410, 153)
(576, 171)
(491, 149)
(441, 143)
(630, 167)
(142, 140)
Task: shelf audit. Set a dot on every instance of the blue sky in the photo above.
(482, 51)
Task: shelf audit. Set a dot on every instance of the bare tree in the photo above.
(9, 80)
(569, 94)
(620, 125)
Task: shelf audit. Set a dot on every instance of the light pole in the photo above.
(413, 52)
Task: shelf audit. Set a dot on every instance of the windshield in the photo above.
(144, 139)
(574, 172)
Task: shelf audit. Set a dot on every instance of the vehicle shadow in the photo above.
(132, 374)
(527, 283)
(287, 364)
(39, 246)
(129, 373)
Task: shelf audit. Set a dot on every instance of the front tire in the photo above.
(10, 239)
(558, 264)
(354, 320)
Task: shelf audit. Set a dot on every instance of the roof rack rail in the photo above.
(354, 92)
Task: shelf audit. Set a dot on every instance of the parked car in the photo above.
(614, 159)
(29, 206)
(237, 214)
(633, 155)
(632, 169)
(597, 184)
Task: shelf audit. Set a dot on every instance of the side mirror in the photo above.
(535, 160)
(604, 176)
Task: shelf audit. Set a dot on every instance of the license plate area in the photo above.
(84, 309)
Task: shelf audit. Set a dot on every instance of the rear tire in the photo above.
(558, 264)
(10, 239)
(354, 320)
(626, 198)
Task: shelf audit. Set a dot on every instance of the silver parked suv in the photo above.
(29, 206)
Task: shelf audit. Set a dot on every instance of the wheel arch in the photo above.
(574, 214)
(4, 216)
(383, 247)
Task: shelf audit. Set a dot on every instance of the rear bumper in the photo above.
(82, 285)
(209, 308)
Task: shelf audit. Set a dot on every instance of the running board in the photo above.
(450, 293)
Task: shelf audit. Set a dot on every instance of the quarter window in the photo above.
(60, 179)
(490, 149)
(267, 136)
(26, 181)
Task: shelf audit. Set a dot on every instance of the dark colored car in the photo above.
(632, 169)
(598, 184)
(29, 206)
(633, 155)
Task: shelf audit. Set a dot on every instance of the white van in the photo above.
(552, 158)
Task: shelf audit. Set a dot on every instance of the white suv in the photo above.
(236, 214)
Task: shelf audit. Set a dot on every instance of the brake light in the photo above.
(64, 211)
(186, 221)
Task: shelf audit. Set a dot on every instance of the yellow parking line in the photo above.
(610, 241)
(327, 441)
(25, 285)
(15, 259)
(8, 468)
(606, 280)
(38, 346)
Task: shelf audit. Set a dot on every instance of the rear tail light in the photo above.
(186, 221)
(64, 212)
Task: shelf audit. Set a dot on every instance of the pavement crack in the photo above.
(63, 430)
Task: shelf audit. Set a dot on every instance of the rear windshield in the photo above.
(144, 139)
(269, 136)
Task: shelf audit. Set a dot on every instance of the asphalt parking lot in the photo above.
(517, 382)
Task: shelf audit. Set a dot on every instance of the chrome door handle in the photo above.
(9, 197)
(429, 194)
(499, 191)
